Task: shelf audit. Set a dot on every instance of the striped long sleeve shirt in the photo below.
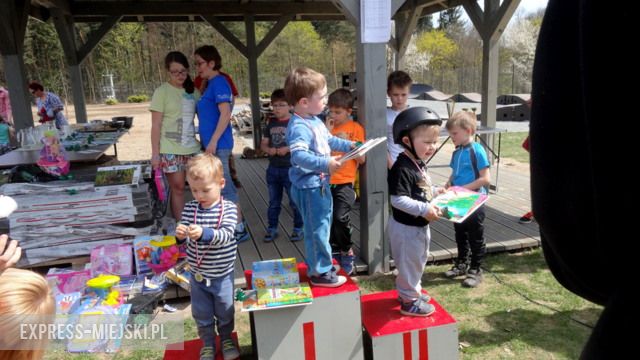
(214, 254)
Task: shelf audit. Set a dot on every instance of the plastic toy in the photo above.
(53, 160)
(101, 285)
(164, 254)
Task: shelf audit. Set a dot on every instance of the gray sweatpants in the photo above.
(410, 249)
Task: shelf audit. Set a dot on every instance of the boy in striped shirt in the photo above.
(208, 224)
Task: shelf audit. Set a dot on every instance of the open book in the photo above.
(276, 297)
(362, 149)
(457, 203)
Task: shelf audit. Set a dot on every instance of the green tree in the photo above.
(425, 23)
(440, 52)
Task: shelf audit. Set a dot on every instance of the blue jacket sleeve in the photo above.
(338, 144)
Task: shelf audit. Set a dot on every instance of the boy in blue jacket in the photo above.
(310, 144)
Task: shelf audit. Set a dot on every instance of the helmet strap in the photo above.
(411, 148)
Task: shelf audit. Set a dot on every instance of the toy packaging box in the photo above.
(66, 281)
(112, 259)
(272, 273)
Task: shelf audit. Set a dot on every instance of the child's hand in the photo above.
(334, 164)
(447, 185)
(272, 151)
(182, 231)
(434, 213)
(195, 231)
(281, 151)
(440, 190)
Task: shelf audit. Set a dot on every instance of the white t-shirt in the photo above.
(393, 148)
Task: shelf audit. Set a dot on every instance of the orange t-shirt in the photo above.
(353, 131)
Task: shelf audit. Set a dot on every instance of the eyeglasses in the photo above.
(179, 72)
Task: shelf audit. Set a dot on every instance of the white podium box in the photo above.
(391, 335)
(328, 328)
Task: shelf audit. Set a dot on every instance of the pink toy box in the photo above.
(114, 259)
(66, 281)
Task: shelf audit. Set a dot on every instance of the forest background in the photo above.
(445, 52)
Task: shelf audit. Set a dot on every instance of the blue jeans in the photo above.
(316, 206)
(213, 304)
(277, 181)
(229, 191)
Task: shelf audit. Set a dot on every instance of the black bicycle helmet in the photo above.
(412, 118)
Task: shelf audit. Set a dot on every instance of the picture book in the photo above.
(275, 297)
(270, 273)
(118, 175)
(362, 149)
(457, 203)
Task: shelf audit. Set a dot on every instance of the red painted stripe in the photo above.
(309, 341)
(406, 343)
(422, 341)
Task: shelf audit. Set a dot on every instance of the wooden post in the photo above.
(13, 24)
(252, 57)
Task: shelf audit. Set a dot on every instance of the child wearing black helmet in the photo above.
(416, 130)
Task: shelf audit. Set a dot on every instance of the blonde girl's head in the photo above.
(24, 295)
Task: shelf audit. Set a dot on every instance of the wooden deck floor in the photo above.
(502, 230)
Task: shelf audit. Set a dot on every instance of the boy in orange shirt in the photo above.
(341, 107)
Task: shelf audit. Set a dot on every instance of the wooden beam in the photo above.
(396, 5)
(273, 33)
(407, 27)
(350, 9)
(228, 35)
(475, 14)
(67, 33)
(254, 85)
(502, 17)
(61, 5)
(223, 18)
(95, 36)
(148, 8)
(13, 23)
(371, 82)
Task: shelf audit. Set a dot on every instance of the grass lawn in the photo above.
(494, 320)
(512, 146)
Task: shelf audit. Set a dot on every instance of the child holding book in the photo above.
(208, 225)
(470, 169)
(310, 144)
(274, 143)
(411, 191)
(342, 192)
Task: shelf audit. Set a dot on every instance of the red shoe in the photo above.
(526, 218)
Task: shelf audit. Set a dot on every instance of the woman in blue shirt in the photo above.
(214, 114)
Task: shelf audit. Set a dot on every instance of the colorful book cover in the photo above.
(276, 297)
(274, 273)
(457, 203)
(118, 175)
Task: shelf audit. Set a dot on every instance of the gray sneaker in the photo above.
(458, 269)
(207, 353)
(229, 350)
(417, 308)
(423, 297)
(474, 278)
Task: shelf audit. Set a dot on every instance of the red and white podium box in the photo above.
(328, 328)
(190, 350)
(391, 335)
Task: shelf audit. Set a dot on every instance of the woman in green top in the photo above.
(173, 137)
